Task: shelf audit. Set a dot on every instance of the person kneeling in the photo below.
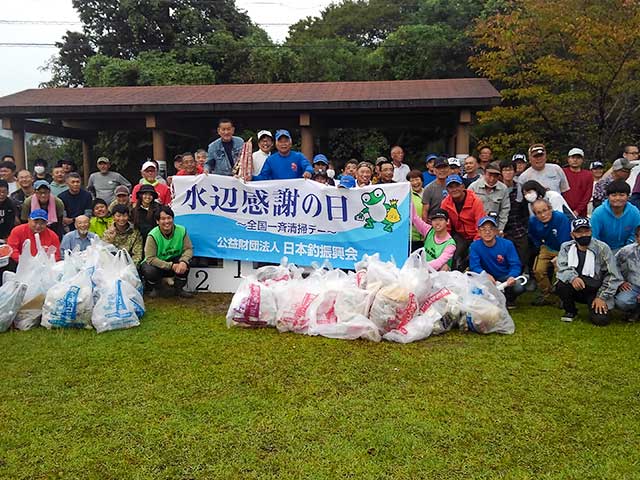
(587, 273)
(167, 253)
(628, 262)
(123, 235)
(497, 257)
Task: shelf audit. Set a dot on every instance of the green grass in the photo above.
(184, 397)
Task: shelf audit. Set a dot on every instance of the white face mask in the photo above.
(331, 173)
(39, 169)
(531, 197)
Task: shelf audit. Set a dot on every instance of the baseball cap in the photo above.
(102, 160)
(121, 190)
(347, 181)
(320, 158)
(454, 179)
(148, 164)
(381, 160)
(487, 218)
(596, 164)
(41, 183)
(262, 133)
(537, 149)
(453, 162)
(39, 214)
(440, 162)
(283, 133)
(431, 156)
(519, 157)
(493, 167)
(622, 164)
(580, 222)
(439, 213)
(575, 151)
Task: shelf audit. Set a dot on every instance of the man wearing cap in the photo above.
(149, 173)
(614, 222)
(285, 163)
(580, 183)
(122, 195)
(519, 161)
(123, 235)
(103, 183)
(43, 199)
(265, 144)
(8, 211)
(77, 201)
(223, 152)
(497, 257)
(347, 181)
(454, 166)
(436, 190)
(320, 166)
(493, 194)
(620, 170)
(428, 175)
(79, 238)
(386, 171)
(439, 247)
(400, 169)
(36, 222)
(471, 172)
(465, 209)
(587, 273)
(549, 175)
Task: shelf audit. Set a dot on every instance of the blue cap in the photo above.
(282, 133)
(454, 179)
(487, 218)
(347, 181)
(41, 183)
(320, 158)
(431, 156)
(39, 214)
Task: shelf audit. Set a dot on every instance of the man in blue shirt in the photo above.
(615, 221)
(79, 238)
(548, 229)
(285, 163)
(77, 201)
(497, 257)
(223, 152)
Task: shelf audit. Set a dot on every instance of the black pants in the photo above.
(153, 275)
(569, 296)
(461, 255)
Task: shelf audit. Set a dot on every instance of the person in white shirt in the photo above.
(549, 175)
(400, 169)
(265, 144)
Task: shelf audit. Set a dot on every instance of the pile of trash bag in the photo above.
(97, 288)
(379, 301)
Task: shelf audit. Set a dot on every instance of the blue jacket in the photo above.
(551, 234)
(217, 160)
(277, 167)
(615, 231)
(501, 261)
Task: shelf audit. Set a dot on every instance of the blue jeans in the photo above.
(628, 301)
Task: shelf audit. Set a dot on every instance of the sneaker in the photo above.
(184, 294)
(568, 317)
(511, 304)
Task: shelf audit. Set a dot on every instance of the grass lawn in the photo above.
(184, 397)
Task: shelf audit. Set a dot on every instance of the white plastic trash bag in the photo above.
(119, 305)
(484, 307)
(418, 328)
(69, 303)
(11, 297)
(253, 305)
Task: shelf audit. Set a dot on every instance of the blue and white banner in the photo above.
(300, 219)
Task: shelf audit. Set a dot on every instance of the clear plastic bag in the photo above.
(294, 302)
(69, 303)
(11, 297)
(484, 307)
(418, 328)
(253, 305)
(119, 306)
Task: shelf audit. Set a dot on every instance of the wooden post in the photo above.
(306, 136)
(86, 160)
(16, 125)
(462, 133)
(159, 145)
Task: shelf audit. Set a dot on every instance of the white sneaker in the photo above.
(568, 317)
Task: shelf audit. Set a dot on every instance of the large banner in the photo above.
(300, 219)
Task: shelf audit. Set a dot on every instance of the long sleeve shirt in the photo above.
(551, 234)
(628, 261)
(151, 252)
(19, 234)
(277, 167)
(424, 228)
(495, 199)
(500, 260)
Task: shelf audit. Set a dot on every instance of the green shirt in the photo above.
(171, 247)
(433, 250)
(416, 198)
(100, 225)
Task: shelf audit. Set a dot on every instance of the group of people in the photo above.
(576, 230)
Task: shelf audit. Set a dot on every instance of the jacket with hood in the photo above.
(615, 231)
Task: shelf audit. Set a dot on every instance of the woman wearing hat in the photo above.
(144, 210)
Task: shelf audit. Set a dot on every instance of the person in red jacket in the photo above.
(149, 174)
(37, 223)
(465, 209)
(580, 183)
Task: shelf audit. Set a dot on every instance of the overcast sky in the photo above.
(21, 65)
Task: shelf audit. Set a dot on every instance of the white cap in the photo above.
(575, 151)
(262, 133)
(453, 161)
(148, 164)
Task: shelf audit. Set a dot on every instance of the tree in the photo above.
(67, 68)
(569, 74)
